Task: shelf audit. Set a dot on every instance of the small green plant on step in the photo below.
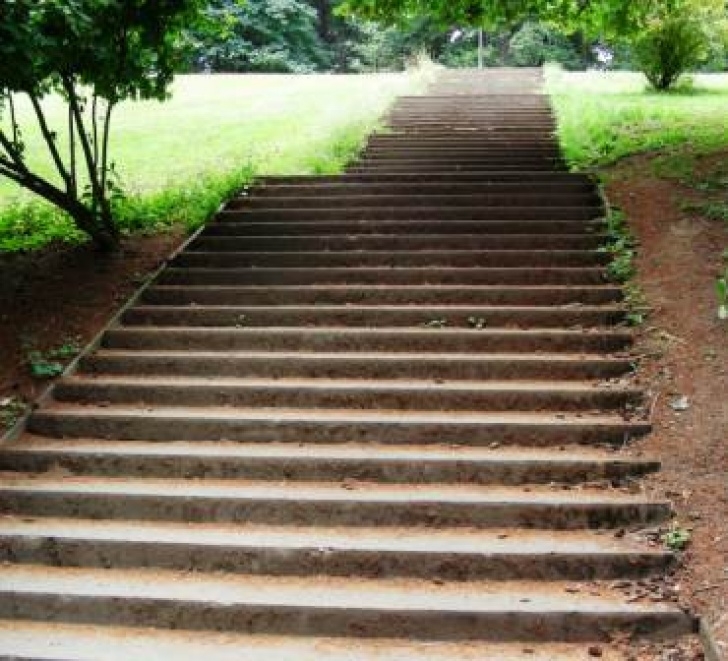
(721, 288)
(478, 323)
(436, 323)
(620, 245)
(676, 538)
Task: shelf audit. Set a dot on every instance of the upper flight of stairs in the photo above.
(374, 416)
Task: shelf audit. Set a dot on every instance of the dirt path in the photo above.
(64, 297)
(686, 349)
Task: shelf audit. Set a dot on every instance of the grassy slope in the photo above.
(179, 159)
(606, 116)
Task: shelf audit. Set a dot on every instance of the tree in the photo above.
(93, 54)
(275, 36)
(679, 39)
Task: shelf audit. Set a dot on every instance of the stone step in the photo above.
(382, 276)
(435, 167)
(342, 365)
(388, 258)
(399, 242)
(520, 213)
(413, 228)
(359, 394)
(367, 340)
(554, 199)
(438, 554)
(314, 188)
(482, 178)
(373, 316)
(337, 504)
(25, 640)
(392, 295)
(295, 425)
(367, 608)
(371, 463)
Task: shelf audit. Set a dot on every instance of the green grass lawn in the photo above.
(180, 158)
(606, 116)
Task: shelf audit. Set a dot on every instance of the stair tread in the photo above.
(352, 594)
(369, 452)
(394, 415)
(75, 642)
(340, 491)
(390, 540)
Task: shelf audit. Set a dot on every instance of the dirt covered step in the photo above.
(365, 608)
(366, 340)
(309, 503)
(370, 463)
(374, 316)
(438, 554)
(535, 296)
(383, 365)
(36, 640)
(359, 394)
(286, 425)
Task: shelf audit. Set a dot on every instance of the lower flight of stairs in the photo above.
(371, 416)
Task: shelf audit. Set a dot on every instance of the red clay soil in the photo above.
(684, 350)
(64, 295)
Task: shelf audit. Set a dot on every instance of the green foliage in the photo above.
(272, 36)
(93, 54)
(721, 289)
(535, 44)
(11, 410)
(621, 245)
(675, 41)
(677, 538)
(50, 364)
(603, 117)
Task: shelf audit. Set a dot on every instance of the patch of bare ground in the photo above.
(684, 365)
(64, 296)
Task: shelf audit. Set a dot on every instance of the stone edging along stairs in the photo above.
(367, 416)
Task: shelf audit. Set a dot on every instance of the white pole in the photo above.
(480, 48)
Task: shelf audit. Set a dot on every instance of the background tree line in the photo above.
(305, 36)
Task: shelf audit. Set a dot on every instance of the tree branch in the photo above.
(50, 140)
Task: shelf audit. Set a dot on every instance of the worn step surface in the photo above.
(371, 416)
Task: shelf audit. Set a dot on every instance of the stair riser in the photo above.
(255, 430)
(96, 392)
(434, 341)
(385, 276)
(495, 177)
(397, 242)
(546, 229)
(420, 259)
(415, 213)
(536, 296)
(352, 513)
(251, 560)
(390, 623)
(251, 317)
(450, 201)
(381, 471)
(314, 189)
(387, 367)
(435, 167)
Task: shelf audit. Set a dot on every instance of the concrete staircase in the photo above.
(374, 416)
